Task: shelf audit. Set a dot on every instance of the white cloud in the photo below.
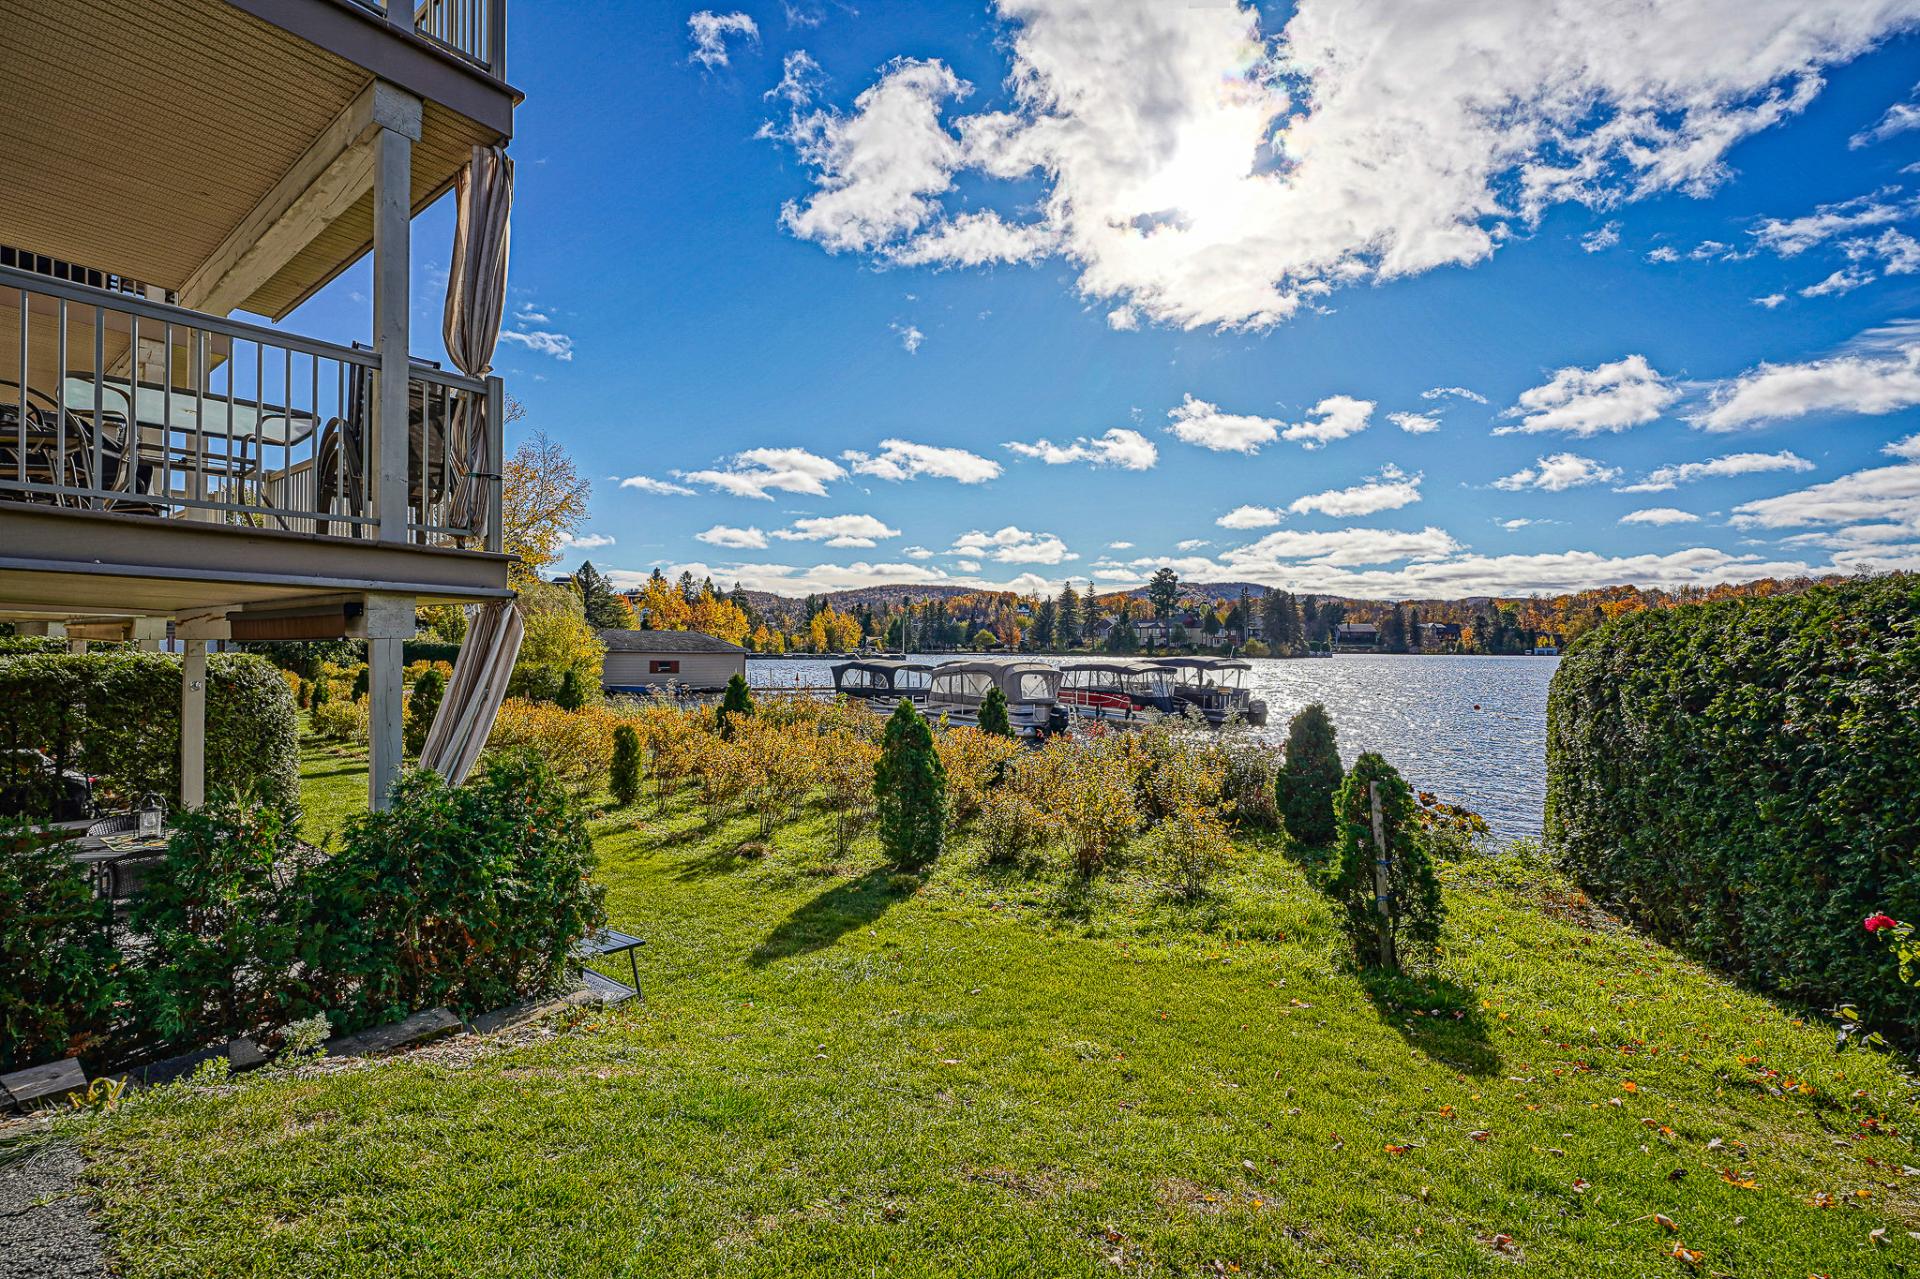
(1199, 422)
(1212, 174)
(1909, 447)
(1899, 118)
(1191, 544)
(1770, 300)
(1886, 494)
(1249, 517)
(1128, 450)
(1845, 280)
(1898, 252)
(838, 530)
(1870, 382)
(736, 538)
(647, 484)
(1667, 477)
(709, 32)
(1660, 515)
(1665, 253)
(1587, 402)
(542, 342)
(1515, 525)
(1790, 237)
(1601, 238)
(1456, 392)
(800, 78)
(753, 472)
(1333, 418)
(1119, 546)
(1557, 473)
(1388, 491)
(905, 460)
(1415, 423)
(1346, 546)
(1012, 545)
(586, 541)
(1123, 319)
(910, 336)
(791, 580)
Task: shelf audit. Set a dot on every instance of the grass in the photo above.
(840, 1072)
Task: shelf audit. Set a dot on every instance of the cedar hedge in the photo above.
(117, 716)
(1742, 779)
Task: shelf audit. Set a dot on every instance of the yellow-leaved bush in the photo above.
(577, 745)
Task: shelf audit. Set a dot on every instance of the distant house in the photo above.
(1439, 634)
(641, 661)
(1155, 632)
(1101, 629)
(1357, 634)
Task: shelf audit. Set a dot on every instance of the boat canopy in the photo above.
(880, 675)
(967, 683)
(1226, 672)
(1145, 677)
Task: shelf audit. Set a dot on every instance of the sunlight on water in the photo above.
(1471, 729)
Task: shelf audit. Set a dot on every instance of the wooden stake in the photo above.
(1382, 880)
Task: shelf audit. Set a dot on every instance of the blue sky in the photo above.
(1203, 264)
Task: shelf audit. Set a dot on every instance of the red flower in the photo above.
(1874, 923)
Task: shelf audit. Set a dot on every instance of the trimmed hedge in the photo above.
(116, 716)
(1742, 778)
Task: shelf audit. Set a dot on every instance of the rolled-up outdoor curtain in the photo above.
(479, 684)
(476, 299)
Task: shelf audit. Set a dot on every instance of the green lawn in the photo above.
(836, 1075)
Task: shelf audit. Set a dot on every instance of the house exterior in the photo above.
(1357, 635)
(643, 661)
(162, 463)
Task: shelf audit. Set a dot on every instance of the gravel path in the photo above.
(45, 1229)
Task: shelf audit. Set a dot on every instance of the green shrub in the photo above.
(62, 974)
(535, 681)
(468, 897)
(362, 682)
(1309, 777)
(993, 714)
(222, 912)
(623, 776)
(1742, 778)
(572, 693)
(24, 645)
(422, 704)
(1414, 908)
(318, 697)
(910, 791)
(412, 651)
(736, 701)
(343, 721)
(117, 716)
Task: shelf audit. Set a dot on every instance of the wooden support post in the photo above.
(392, 214)
(386, 625)
(195, 633)
(1382, 879)
(148, 634)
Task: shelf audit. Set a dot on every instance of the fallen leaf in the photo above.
(1666, 1223)
(1580, 1185)
(1480, 1134)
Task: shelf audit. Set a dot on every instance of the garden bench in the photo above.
(609, 941)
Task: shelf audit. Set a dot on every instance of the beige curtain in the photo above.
(473, 696)
(476, 299)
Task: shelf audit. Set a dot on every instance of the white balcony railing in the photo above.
(109, 402)
(473, 29)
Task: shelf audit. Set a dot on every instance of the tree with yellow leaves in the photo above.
(543, 501)
(831, 631)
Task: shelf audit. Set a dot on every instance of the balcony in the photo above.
(111, 403)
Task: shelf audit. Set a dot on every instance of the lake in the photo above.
(1471, 729)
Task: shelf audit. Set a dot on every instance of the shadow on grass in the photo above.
(1440, 1018)
(344, 770)
(825, 919)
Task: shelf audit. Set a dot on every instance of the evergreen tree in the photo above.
(1123, 638)
(1163, 591)
(362, 682)
(910, 791)
(602, 603)
(572, 693)
(423, 702)
(1066, 617)
(736, 701)
(1209, 622)
(993, 714)
(738, 598)
(1309, 776)
(1310, 619)
(1284, 633)
(1414, 637)
(320, 693)
(1043, 628)
(1393, 630)
(1414, 909)
(623, 777)
(688, 591)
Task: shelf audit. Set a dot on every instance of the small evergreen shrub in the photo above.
(910, 791)
(623, 776)
(423, 703)
(362, 682)
(467, 897)
(1414, 908)
(993, 714)
(1309, 777)
(736, 701)
(62, 976)
(223, 913)
(572, 693)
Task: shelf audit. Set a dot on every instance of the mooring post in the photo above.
(1382, 879)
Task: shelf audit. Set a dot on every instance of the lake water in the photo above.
(1471, 729)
